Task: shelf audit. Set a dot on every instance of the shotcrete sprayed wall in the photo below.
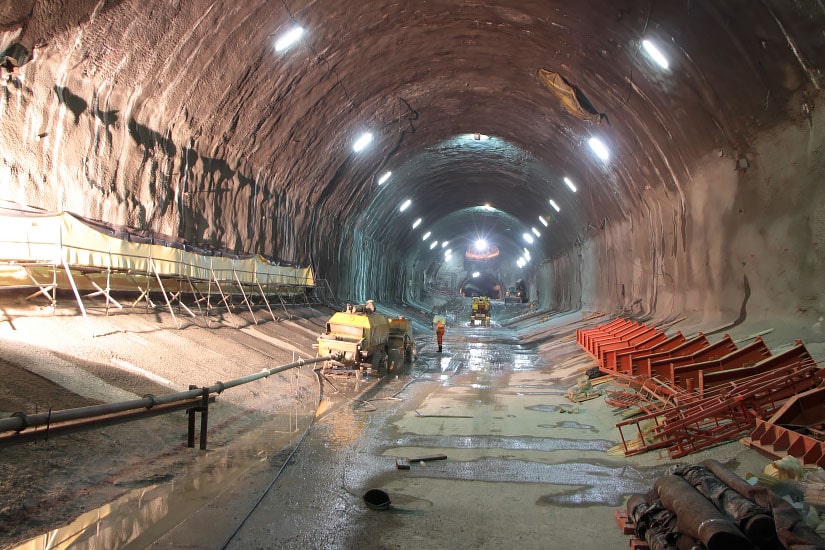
(750, 245)
(108, 154)
(366, 269)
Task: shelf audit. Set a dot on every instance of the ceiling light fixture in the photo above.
(543, 221)
(362, 141)
(426, 235)
(288, 39)
(655, 54)
(599, 148)
(433, 245)
(416, 223)
(528, 237)
(384, 178)
(535, 232)
(555, 206)
(476, 274)
(569, 184)
(406, 204)
(444, 244)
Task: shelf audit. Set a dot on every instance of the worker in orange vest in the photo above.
(439, 334)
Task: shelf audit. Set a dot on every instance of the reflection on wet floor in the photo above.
(139, 517)
(568, 425)
(595, 483)
(513, 443)
(483, 402)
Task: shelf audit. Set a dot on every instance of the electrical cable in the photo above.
(279, 472)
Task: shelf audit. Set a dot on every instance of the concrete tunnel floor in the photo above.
(520, 472)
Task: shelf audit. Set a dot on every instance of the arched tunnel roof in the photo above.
(469, 104)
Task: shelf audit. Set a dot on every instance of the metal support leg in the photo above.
(248, 305)
(163, 291)
(263, 295)
(223, 297)
(190, 440)
(204, 410)
(77, 296)
(204, 417)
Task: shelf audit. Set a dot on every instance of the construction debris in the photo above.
(582, 391)
(708, 503)
(404, 463)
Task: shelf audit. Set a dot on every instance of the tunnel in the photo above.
(653, 160)
(648, 157)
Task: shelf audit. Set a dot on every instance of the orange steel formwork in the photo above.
(697, 421)
(624, 359)
(693, 394)
(796, 429)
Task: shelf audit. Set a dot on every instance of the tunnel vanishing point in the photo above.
(643, 158)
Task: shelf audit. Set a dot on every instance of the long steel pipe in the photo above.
(19, 421)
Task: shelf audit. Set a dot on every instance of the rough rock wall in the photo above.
(751, 244)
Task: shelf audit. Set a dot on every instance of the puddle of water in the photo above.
(570, 425)
(544, 408)
(142, 515)
(595, 484)
(516, 443)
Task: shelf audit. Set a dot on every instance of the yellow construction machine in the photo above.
(360, 338)
(480, 311)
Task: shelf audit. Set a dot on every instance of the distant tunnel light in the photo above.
(480, 245)
(362, 141)
(599, 148)
(535, 232)
(288, 38)
(528, 237)
(569, 184)
(404, 205)
(655, 54)
(426, 235)
(476, 274)
(555, 206)
(416, 223)
(383, 179)
(543, 221)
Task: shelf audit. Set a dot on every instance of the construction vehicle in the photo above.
(480, 311)
(516, 294)
(359, 338)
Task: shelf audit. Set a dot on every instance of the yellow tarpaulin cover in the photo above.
(57, 238)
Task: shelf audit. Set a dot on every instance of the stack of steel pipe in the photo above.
(707, 504)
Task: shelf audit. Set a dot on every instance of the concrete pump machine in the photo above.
(361, 339)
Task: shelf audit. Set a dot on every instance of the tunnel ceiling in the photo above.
(203, 82)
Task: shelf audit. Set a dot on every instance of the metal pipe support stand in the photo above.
(204, 410)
